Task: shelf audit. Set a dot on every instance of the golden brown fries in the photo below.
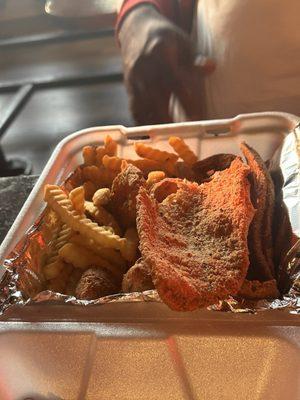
(60, 203)
(183, 150)
(89, 155)
(154, 154)
(110, 146)
(94, 245)
(92, 173)
(109, 149)
(112, 162)
(154, 177)
(118, 164)
(168, 160)
(147, 166)
(111, 255)
(101, 216)
(77, 198)
(100, 176)
(100, 152)
(61, 239)
(82, 258)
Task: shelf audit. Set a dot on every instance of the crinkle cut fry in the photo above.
(89, 155)
(77, 198)
(151, 153)
(183, 150)
(101, 216)
(146, 165)
(110, 149)
(111, 255)
(54, 265)
(83, 258)
(198, 260)
(62, 234)
(61, 204)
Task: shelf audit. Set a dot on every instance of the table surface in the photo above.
(13, 193)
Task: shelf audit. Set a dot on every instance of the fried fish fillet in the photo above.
(138, 278)
(124, 190)
(196, 240)
(260, 232)
(255, 290)
(204, 169)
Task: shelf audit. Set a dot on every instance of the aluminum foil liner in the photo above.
(22, 284)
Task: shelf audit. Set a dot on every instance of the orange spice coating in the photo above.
(196, 243)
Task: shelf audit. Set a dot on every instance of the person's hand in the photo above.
(159, 60)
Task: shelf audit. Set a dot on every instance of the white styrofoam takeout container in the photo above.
(144, 350)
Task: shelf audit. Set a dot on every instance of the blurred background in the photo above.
(60, 71)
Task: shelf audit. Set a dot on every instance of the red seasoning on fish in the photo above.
(196, 239)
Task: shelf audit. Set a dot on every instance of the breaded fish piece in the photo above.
(260, 232)
(255, 290)
(138, 278)
(196, 241)
(281, 227)
(204, 169)
(124, 190)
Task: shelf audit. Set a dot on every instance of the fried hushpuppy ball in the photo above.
(138, 278)
(95, 283)
(124, 190)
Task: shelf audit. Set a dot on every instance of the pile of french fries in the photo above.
(89, 235)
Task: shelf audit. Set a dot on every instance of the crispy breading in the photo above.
(95, 283)
(124, 190)
(164, 188)
(196, 244)
(260, 232)
(204, 169)
(184, 171)
(255, 290)
(138, 278)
